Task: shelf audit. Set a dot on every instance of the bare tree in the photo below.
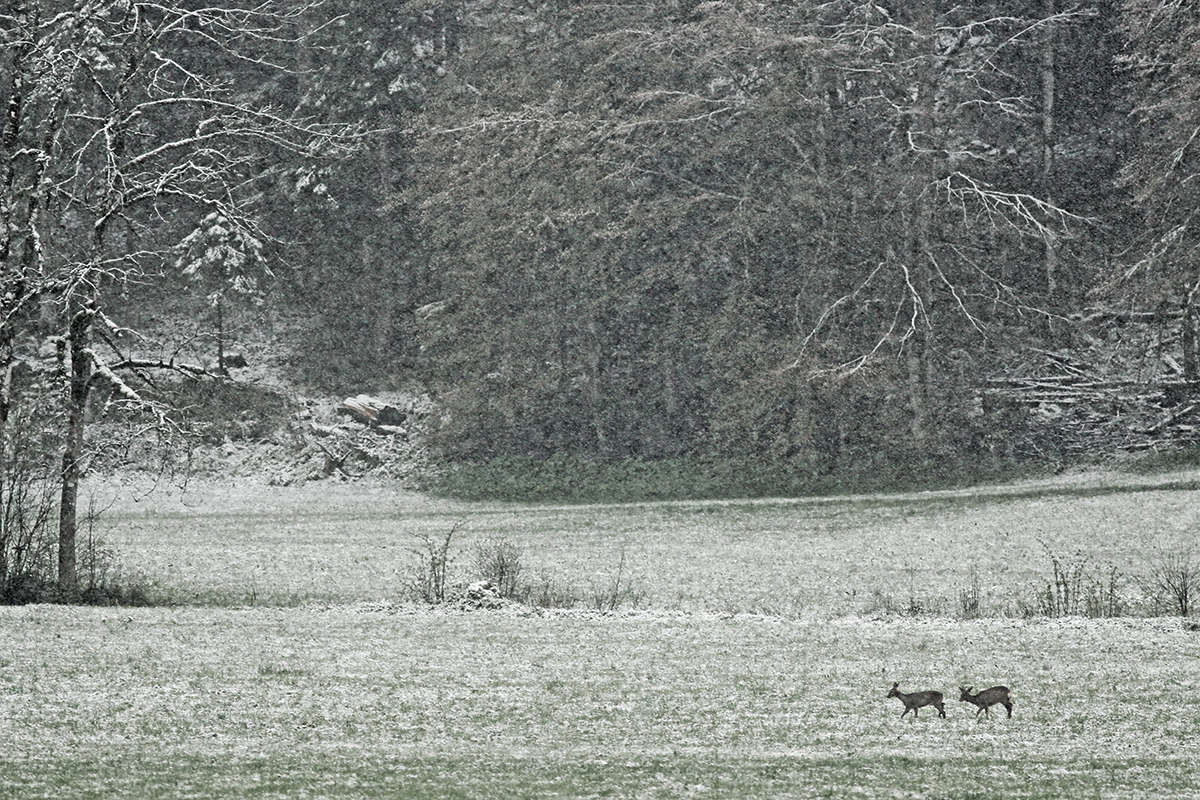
(125, 122)
(1164, 276)
(937, 77)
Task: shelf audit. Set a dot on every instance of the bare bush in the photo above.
(28, 528)
(499, 570)
(499, 563)
(546, 591)
(1174, 581)
(970, 599)
(1079, 588)
(885, 600)
(427, 581)
(27, 504)
(611, 595)
(1103, 596)
(102, 581)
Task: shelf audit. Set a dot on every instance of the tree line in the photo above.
(792, 233)
(801, 232)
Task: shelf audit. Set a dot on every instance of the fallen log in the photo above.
(371, 411)
(1168, 420)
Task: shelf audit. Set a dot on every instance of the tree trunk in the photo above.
(221, 339)
(920, 253)
(386, 299)
(1049, 242)
(1191, 364)
(7, 362)
(595, 360)
(1187, 333)
(920, 346)
(79, 385)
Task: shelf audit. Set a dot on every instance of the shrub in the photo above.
(101, 580)
(548, 592)
(499, 570)
(27, 504)
(220, 410)
(970, 599)
(1174, 581)
(499, 563)
(611, 595)
(1077, 588)
(428, 579)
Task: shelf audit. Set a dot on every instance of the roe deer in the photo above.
(988, 697)
(917, 700)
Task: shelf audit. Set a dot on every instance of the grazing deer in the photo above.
(917, 700)
(988, 697)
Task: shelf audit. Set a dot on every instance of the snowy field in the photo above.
(370, 701)
(751, 658)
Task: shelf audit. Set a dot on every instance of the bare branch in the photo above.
(1018, 211)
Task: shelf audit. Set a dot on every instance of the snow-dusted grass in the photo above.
(751, 671)
(247, 544)
(383, 701)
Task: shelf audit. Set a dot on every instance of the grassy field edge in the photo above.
(354, 702)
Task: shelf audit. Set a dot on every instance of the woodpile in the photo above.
(373, 412)
(1106, 406)
(357, 437)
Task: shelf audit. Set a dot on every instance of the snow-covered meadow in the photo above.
(751, 657)
(375, 700)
